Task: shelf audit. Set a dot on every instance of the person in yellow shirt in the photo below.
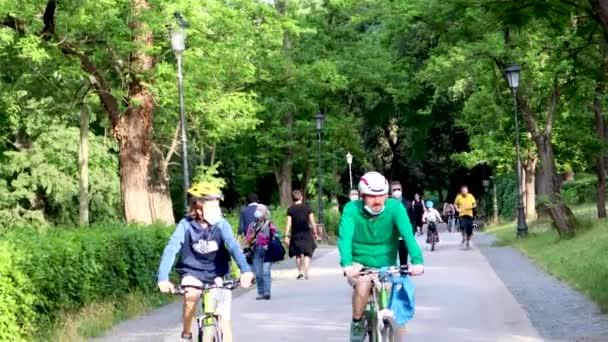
(465, 202)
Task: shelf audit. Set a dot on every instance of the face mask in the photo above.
(397, 194)
(372, 212)
(213, 215)
(354, 198)
(257, 214)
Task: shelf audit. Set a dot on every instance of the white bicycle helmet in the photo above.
(373, 183)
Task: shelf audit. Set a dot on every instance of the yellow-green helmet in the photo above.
(205, 191)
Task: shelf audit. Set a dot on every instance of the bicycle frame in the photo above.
(377, 308)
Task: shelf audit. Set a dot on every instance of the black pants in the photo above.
(402, 252)
(466, 225)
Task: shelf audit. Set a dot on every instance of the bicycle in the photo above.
(208, 323)
(379, 324)
(432, 235)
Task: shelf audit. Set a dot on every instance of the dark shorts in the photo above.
(466, 224)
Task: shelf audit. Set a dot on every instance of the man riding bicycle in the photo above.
(205, 242)
(369, 236)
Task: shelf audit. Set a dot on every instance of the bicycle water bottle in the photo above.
(383, 299)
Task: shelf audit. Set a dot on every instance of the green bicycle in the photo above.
(379, 322)
(209, 329)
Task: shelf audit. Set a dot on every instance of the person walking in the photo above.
(259, 234)
(466, 203)
(419, 210)
(247, 213)
(397, 193)
(300, 234)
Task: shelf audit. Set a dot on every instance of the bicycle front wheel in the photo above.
(209, 333)
(389, 331)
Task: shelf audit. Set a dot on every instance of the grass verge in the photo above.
(96, 318)
(582, 261)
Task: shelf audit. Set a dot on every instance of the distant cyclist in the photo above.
(205, 242)
(465, 202)
(431, 217)
(449, 213)
(368, 237)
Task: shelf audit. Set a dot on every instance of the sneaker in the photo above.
(267, 297)
(260, 297)
(186, 337)
(300, 276)
(357, 331)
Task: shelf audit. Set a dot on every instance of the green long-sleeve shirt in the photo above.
(374, 242)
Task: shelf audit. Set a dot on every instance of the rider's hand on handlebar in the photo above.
(165, 286)
(351, 271)
(416, 270)
(245, 279)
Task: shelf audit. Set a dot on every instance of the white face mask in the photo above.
(372, 212)
(397, 194)
(354, 197)
(213, 215)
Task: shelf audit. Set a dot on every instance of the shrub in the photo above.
(580, 191)
(47, 272)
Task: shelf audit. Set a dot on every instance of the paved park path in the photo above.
(463, 296)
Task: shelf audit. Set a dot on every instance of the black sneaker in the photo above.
(260, 297)
(300, 276)
(267, 297)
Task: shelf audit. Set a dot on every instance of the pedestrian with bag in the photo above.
(263, 246)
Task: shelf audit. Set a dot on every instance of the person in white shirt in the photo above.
(432, 217)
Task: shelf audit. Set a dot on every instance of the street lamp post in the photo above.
(512, 71)
(319, 118)
(349, 161)
(486, 207)
(178, 43)
(494, 200)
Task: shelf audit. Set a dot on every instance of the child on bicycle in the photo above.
(432, 217)
(205, 242)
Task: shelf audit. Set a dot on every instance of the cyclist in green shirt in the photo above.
(369, 235)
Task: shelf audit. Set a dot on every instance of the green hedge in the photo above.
(44, 273)
(580, 191)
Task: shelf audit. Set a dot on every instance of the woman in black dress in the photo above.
(419, 209)
(301, 223)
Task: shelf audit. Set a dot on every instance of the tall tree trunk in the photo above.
(283, 178)
(133, 129)
(530, 187)
(83, 166)
(561, 215)
(161, 205)
(601, 157)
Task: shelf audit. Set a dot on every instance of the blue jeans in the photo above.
(262, 271)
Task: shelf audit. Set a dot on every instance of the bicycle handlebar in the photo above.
(228, 285)
(403, 269)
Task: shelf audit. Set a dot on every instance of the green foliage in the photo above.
(506, 188)
(580, 191)
(209, 174)
(80, 266)
(42, 182)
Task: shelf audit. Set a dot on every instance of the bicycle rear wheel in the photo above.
(389, 331)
